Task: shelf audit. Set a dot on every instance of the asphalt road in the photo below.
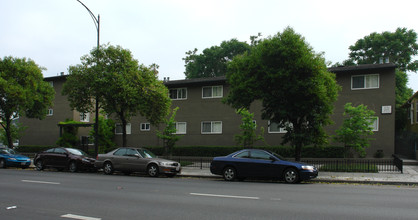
(28, 194)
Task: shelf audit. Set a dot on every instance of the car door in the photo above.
(58, 158)
(119, 159)
(134, 161)
(262, 164)
(242, 163)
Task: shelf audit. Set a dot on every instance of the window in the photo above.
(181, 127)
(276, 128)
(120, 152)
(118, 129)
(212, 127)
(50, 112)
(245, 154)
(259, 155)
(375, 125)
(145, 127)
(212, 92)
(411, 113)
(416, 110)
(178, 94)
(51, 83)
(84, 117)
(365, 82)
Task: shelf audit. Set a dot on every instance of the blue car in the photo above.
(9, 158)
(256, 163)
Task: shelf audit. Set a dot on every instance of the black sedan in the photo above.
(255, 163)
(64, 158)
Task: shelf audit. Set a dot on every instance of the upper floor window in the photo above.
(212, 92)
(118, 128)
(84, 117)
(50, 112)
(212, 127)
(178, 94)
(375, 125)
(51, 83)
(145, 127)
(365, 81)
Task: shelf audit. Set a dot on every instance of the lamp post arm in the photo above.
(96, 20)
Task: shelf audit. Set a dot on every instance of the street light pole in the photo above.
(96, 21)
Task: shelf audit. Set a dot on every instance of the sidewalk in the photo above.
(408, 177)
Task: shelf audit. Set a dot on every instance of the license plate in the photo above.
(23, 163)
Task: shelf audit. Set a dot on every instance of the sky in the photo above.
(57, 33)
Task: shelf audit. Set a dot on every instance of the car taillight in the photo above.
(97, 157)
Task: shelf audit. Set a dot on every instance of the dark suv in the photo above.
(64, 158)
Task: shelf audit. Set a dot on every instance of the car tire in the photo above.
(2, 163)
(72, 167)
(108, 168)
(229, 174)
(39, 165)
(291, 175)
(153, 170)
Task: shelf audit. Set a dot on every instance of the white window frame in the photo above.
(84, 116)
(282, 130)
(177, 127)
(365, 81)
(178, 92)
(50, 112)
(375, 125)
(145, 126)
(212, 124)
(128, 128)
(212, 89)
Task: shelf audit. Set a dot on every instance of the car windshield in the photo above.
(7, 151)
(146, 153)
(76, 152)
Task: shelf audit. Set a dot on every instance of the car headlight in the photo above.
(14, 159)
(165, 163)
(308, 167)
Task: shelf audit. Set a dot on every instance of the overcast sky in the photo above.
(56, 33)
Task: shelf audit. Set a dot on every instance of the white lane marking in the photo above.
(224, 196)
(11, 207)
(80, 217)
(276, 199)
(43, 182)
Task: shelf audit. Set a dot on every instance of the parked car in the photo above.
(64, 158)
(9, 158)
(256, 163)
(129, 160)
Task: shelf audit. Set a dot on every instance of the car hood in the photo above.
(17, 156)
(163, 160)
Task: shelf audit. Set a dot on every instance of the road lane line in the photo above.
(79, 217)
(224, 196)
(43, 182)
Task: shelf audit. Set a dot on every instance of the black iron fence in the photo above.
(330, 165)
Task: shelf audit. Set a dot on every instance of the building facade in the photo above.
(203, 119)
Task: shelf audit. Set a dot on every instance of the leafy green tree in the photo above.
(293, 83)
(122, 86)
(399, 46)
(169, 135)
(356, 128)
(213, 61)
(16, 130)
(23, 92)
(248, 130)
(106, 134)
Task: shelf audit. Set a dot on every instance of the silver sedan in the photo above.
(129, 160)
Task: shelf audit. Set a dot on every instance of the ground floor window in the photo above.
(212, 127)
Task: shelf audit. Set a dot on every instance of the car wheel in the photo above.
(39, 165)
(108, 168)
(72, 167)
(291, 175)
(2, 163)
(152, 170)
(229, 174)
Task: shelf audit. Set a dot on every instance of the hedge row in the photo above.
(213, 151)
(285, 151)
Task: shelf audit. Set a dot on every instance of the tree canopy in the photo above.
(23, 92)
(399, 46)
(123, 87)
(293, 83)
(213, 61)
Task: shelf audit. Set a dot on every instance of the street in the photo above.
(28, 194)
